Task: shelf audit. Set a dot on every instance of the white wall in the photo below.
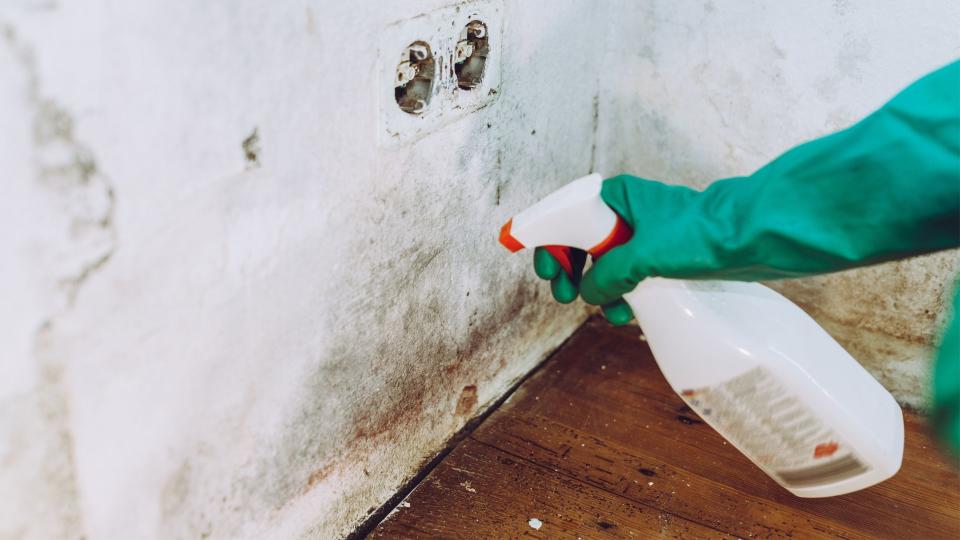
(195, 345)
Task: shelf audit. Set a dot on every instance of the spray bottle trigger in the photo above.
(563, 255)
(620, 234)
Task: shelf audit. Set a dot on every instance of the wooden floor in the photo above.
(596, 445)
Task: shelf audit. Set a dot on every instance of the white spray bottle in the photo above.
(752, 364)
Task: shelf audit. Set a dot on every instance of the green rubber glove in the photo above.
(886, 188)
(946, 383)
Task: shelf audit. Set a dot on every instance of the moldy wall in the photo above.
(233, 311)
(234, 308)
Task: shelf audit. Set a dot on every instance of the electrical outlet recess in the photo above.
(464, 42)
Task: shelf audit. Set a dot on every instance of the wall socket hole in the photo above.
(470, 56)
(413, 85)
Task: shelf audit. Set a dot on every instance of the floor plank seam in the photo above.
(600, 488)
(837, 525)
(785, 504)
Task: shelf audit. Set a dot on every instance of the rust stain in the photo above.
(410, 399)
(318, 475)
(395, 419)
(468, 400)
(413, 396)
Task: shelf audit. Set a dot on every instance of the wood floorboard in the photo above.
(596, 445)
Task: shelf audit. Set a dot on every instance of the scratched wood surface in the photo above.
(597, 445)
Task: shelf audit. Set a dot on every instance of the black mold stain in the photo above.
(251, 149)
(596, 126)
(647, 472)
(418, 314)
(604, 525)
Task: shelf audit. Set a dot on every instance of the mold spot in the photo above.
(251, 149)
(647, 472)
(605, 525)
(687, 420)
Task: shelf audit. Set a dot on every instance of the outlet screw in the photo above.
(477, 29)
(418, 106)
(418, 53)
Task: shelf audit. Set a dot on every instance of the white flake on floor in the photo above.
(535, 523)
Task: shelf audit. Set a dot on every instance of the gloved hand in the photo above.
(622, 268)
(845, 200)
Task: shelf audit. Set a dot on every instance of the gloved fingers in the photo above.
(544, 264)
(611, 276)
(618, 313)
(564, 287)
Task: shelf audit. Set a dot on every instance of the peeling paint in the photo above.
(468, 400)
(68, 171)
(80, 201)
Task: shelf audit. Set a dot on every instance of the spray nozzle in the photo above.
(574, 216)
